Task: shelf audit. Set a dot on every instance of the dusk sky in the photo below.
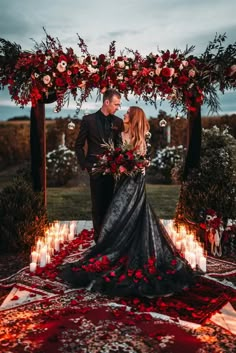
(136, 24)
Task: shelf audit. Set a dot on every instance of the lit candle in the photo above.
(72, 227)
(34, 256)
(56, 225)
(33, 266)
(39, 245)
(192, 259)
(56, 244)
(70, 236)
(203, 263)
(178, 244)
(183, 244)
(43, 257)
(62, 238)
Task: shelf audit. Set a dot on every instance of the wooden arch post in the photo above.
(194, 139)
(38, 146)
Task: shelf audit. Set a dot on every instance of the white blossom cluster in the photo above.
(62, 165)
(168, 157)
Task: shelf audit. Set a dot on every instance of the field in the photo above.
(74, 203)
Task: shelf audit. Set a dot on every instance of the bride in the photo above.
(134, 255)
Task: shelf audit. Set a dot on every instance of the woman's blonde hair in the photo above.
(139, 126)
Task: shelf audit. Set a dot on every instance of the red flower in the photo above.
(130, 273)
(139, 274)
(74, 302)
(173, 262)
(95, 78)
(167, 72)
(122, 86)
(112, 274)
(183, 80)
(15, 297)
(107, 279)
(121, 278)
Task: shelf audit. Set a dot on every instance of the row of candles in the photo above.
(188, 244)
(55, 236)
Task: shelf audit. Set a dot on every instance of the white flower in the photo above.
(81, 59)
(120, 77)
(61, 66)
(121, 64)
(92, 70)
(191, 73)
(46, 79)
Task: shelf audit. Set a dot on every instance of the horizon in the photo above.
(146, 27)
(9, 110)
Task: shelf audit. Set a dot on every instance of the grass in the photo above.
(75, 204)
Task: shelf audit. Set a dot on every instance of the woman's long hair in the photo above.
(139, 126)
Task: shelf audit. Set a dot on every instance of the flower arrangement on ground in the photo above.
(118, 161)
(219, 234)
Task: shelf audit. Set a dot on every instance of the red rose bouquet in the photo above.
(118, 161)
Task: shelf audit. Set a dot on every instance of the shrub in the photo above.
(162, 165)
(213, 184)
(62, 166)
(22, 215)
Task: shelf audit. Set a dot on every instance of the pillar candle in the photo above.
(43, 257)
(203, 263)
(34, 256)
(33, 266)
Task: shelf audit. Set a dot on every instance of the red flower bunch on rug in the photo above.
(118, 272)
(118, 161)
(216, 233)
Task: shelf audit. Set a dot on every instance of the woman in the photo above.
(134, 255)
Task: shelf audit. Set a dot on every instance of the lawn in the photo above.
(74, 203)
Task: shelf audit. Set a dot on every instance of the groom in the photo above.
(94, 130)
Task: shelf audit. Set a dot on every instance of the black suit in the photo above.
(94, 132)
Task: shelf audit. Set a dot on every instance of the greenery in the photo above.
(62, 166)
(160, 171)
(75, 204)
(22, 215)
(177, 76)
(213, 184)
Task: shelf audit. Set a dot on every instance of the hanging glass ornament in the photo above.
(163, 123)
(71, 125)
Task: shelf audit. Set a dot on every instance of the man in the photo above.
(95, 129)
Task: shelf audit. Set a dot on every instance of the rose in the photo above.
(167, 71)
(46, 79)
(61, 66)
(191, 73)
(122, 169)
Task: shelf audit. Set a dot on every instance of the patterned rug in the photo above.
(75, 322)
(195, 305)
(54, 319)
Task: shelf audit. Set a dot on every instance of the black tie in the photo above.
(107, 127)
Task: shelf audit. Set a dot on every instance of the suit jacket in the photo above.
(92, 133)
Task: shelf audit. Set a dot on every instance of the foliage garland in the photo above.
(176, 76)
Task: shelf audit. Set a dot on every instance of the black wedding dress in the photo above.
(134, 255)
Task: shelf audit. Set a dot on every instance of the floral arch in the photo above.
(50, 73)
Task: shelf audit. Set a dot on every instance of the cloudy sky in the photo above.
(135, 24)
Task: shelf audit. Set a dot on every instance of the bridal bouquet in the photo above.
(118, 161)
